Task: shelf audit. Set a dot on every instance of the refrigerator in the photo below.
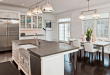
(9, 30)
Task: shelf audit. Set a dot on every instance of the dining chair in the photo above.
(78, 44)
(90, 48)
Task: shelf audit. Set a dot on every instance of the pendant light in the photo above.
(47, 7)
(96, 15)
(29, 13)
(37, 11)
(81, 16)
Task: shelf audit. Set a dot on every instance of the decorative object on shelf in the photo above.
(88, 34)
(95, 15)
(38, 11)
(93, 39)
(83, 39)
(48, 24)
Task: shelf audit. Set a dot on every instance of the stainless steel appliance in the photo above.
(9, 30)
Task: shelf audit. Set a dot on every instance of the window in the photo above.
(64, 29)
(87, 24)
(102, 28)
(64, 20)
(99, 26)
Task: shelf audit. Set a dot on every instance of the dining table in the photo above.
(99, 44)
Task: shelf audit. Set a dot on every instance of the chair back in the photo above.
(88, 46)
(76, 43)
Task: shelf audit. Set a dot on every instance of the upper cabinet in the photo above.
(39, 21)
(22, 21)
(31, 22)
(8, 15)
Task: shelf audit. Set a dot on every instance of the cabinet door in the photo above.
(11, 15)
(34, 22)
(39, 21)
(22, 17)
(28, 25)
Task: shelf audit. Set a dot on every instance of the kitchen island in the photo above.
(46, 59)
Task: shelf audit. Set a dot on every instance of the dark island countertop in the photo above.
(47, 47)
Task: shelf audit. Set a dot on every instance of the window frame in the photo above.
(64, 28)
(100, 29)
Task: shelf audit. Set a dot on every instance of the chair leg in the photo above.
(92, 56)
(84, 54)
(89, 58)
(99, 56)
(109, 56)
(80, 53)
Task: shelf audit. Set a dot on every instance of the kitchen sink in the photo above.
(27, 46)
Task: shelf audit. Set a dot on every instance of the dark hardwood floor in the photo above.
(84, 65)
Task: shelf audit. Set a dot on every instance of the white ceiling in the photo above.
(58, 5)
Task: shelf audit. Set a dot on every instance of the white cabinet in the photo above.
(31, 22)
(8, 15)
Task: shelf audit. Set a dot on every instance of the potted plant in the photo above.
(88, 34)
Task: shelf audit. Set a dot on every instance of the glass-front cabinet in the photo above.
(39, 21)
(34, 22)
(28, 21)
(31, 22)
(22, 21)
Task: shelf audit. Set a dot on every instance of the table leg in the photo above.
(102, 56)
(75, 61)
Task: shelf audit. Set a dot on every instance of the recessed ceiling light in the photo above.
(0, 0)
(22, 4)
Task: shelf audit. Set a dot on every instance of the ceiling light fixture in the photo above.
(38, 11)
(22, 4)
(95, 15)
(47, 7)
(29, 13)
(0, 0)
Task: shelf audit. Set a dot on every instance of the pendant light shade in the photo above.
(82, 16)
(47, 8)
(29, 13)
(37, 11)
(96, 15)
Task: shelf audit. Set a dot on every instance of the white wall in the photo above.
(49, 34)
(76, 23)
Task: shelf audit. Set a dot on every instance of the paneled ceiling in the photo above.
(58, 5)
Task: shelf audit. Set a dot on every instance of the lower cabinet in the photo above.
(24, 63)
